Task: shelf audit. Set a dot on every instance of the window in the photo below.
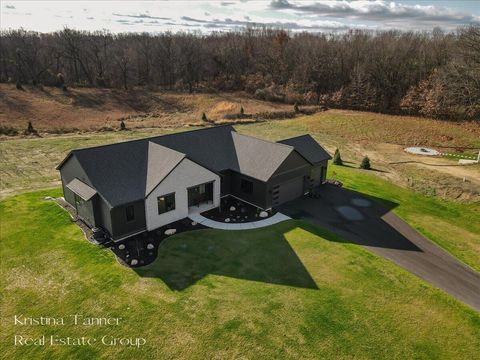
(166, 203)
(246, 186)
(130, 213)
(77, 198)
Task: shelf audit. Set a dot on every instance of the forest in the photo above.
(435, 74)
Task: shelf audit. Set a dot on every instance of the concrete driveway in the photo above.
(371, 224)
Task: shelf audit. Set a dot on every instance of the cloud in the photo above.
(10, 6)
(141, 16)
(229, 24)
(378, 10)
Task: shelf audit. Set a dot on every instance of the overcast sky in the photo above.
(208, 16)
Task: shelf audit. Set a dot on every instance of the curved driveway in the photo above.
(368, 223)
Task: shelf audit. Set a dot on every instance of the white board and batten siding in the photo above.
(185, 175)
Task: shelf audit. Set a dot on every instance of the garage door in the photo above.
(287, 191)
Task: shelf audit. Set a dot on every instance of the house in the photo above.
(134, 186)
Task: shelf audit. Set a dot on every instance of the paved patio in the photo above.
(275, 219)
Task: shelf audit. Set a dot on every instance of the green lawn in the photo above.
(287, 291)
(452, 225)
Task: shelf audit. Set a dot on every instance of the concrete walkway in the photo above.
(278, 217)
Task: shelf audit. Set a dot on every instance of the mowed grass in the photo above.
(452, 225)
(359, 126)
(30, 163)
(288, 291)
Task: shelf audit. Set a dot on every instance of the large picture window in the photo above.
(246, 186)
(166, 203)
(130, 213)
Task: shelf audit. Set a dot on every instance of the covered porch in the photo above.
(200, 198)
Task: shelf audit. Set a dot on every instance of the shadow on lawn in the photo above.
(265, 255)
(370, 229)
(259, 255)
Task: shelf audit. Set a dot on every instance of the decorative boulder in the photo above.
(233, 208)
(121, 246)
(263, 214)
(227, 220)
(134, 262)
(47, 198)
(150, 246)
(194, 223)
(170, 231)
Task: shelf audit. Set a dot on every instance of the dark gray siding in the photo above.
(319, 173)
(105, 220)
(294, 167)
(85, 210)
(225, 182)
(97, 212)
(120, 226)
(256, 197)
(70, 170)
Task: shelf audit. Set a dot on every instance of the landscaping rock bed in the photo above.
(137, 250)
(142, 249)
(233, 210)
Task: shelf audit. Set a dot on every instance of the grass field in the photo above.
(287, 291)
(452, 225)
(29, 163)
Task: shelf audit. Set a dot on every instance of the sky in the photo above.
(228, 15)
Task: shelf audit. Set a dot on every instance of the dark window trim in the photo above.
(174, 203)
(248, 190)
(205, 183)
(133, 213)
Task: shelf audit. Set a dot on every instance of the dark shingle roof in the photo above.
(126, 172)
(83, 190)
(259, 158)
(119, 171)
(161, 161)
(306, 146)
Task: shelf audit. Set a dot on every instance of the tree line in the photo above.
(427, 73)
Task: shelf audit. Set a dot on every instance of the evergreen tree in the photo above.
(337, 159)
(365, 164)
(204, 117)
(30, 129)
(122, 126)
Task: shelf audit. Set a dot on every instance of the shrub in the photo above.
(337, 159)
(122, 126)
(242, 112)
(365, 164)
(204, 117)
(9, 131)
(30, 129)
(295, 108)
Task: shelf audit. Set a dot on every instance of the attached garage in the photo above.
(287, 191)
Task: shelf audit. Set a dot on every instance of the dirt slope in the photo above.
(54, 110)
